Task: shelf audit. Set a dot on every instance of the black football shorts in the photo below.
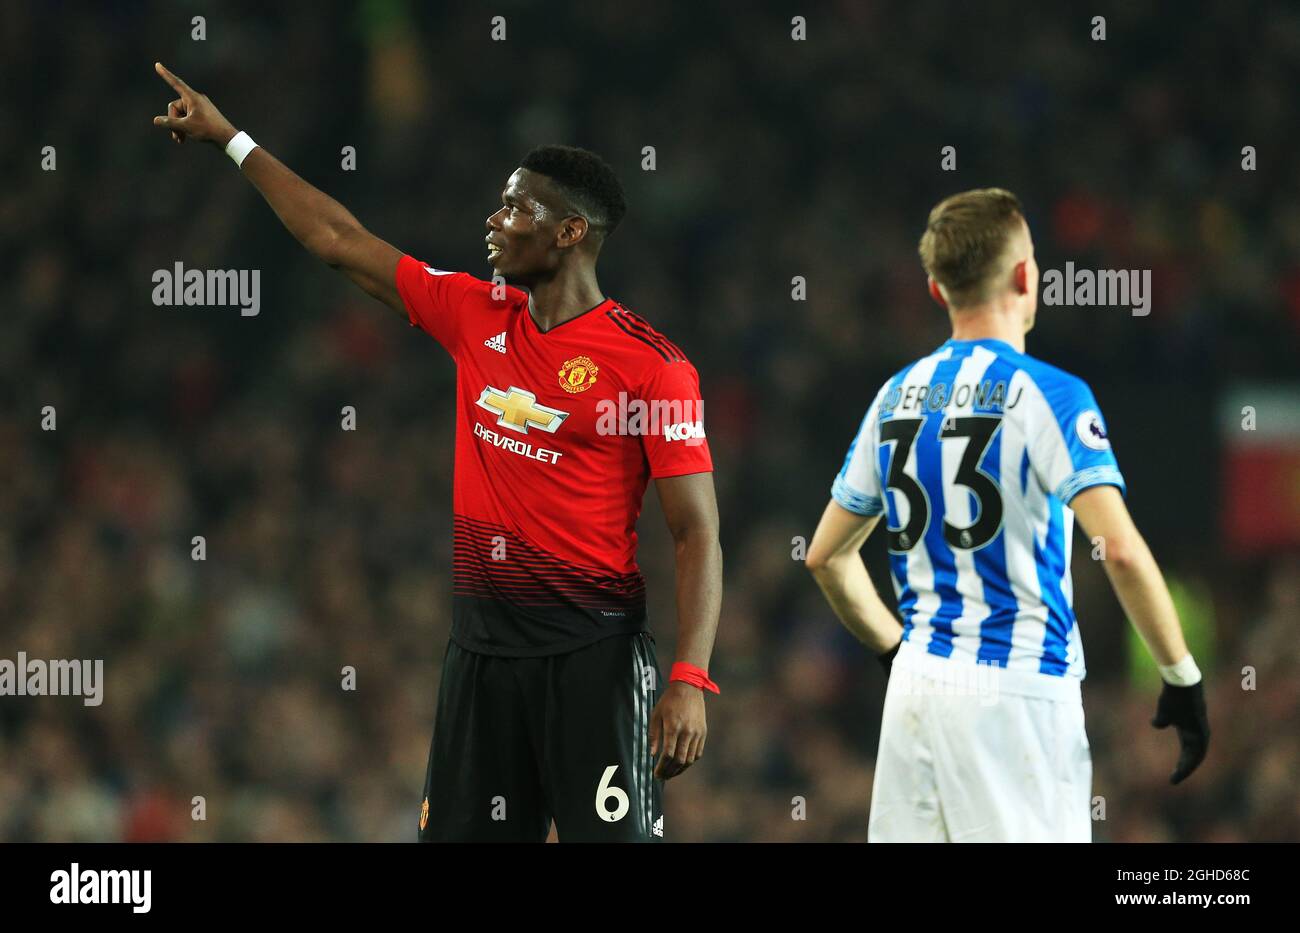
(519, 742)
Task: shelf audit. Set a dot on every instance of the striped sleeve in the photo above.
(857, 487)
(1069, 448)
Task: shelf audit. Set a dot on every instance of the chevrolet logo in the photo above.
(517, 409)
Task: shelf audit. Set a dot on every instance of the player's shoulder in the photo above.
(920, 368)
(496, 295)
(1053, 381)
(890, 392)
(645, 347)
(1040, 370)
(1053, 393)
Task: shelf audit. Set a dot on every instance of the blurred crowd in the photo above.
(774, 158)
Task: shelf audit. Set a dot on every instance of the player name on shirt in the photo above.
(986, 395)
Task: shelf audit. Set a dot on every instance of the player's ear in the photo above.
(935, 293)
(1020, 277)
(573, 230)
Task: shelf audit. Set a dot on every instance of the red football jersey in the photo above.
(557, 434)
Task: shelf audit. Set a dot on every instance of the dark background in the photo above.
(775, 158)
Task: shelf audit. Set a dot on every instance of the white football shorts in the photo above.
(978, 753)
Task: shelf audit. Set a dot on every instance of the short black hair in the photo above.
(585, 179)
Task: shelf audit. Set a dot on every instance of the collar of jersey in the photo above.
(990, 343)
(528, 310)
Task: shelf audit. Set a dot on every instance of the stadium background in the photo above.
(774, 159)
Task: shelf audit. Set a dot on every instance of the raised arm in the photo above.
(321, 224)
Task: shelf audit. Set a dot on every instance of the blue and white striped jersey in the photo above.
(974, 453)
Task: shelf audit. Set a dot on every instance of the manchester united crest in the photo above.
(578, 374)
(424, 814)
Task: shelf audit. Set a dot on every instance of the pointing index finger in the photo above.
(177, 84)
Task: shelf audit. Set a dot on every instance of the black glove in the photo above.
(887, 659)
(1184, 708)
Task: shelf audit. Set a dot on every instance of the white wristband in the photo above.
(240, 145)
(1183, 674)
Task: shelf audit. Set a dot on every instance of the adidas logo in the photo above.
(658, 827)
(497, 343)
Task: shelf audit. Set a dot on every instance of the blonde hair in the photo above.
(965, 240)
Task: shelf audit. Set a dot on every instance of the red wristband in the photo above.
(690, 674)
